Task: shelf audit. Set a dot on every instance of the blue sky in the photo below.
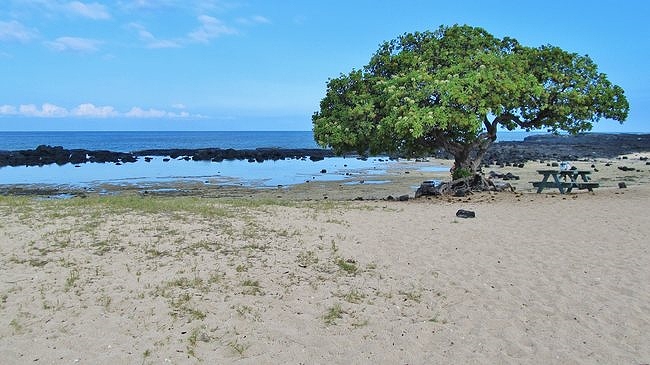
(262, 65)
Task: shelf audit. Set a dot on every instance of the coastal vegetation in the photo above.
(454, 88)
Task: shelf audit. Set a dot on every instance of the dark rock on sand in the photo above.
(461, 213)
(507, 176)
(429, 187)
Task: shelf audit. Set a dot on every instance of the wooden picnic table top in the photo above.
(564, 172)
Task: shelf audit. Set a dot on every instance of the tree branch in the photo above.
(533, 123)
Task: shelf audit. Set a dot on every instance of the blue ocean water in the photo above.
(265, 174)
(158, 171)
(135, 141)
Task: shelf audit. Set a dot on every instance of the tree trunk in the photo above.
(467, 165)
(463, 159)
(470, 156)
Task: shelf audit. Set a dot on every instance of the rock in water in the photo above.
(461, 213)
(622, 185)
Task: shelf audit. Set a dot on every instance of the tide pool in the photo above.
(237, 172)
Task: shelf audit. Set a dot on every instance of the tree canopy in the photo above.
(452, 88)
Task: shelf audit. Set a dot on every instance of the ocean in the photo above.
(158, 171)
(135, 141)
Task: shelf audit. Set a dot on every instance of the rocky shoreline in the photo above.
(45, 155)
(542, 147)
(567, 148)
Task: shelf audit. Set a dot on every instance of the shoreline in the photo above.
(403, 177)
(535, 152)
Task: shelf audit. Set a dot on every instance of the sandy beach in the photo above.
(308, 275)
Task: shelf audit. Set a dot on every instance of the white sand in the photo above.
(533, 279)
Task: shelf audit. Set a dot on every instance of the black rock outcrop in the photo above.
(45, 155)
(539, 147)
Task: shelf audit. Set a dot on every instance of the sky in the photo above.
(261, 64)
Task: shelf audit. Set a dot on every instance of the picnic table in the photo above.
(565, 180)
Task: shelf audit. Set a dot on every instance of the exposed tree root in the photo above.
(461, 187)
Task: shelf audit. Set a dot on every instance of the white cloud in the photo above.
(137, 112)
(163, 44)
(8, 110)
(210, 28)
(47, 110)
(51, 110)
(92, 111)
(254, 20)
(92, 10)
(15, 31)
(145, 4)
(75, 44)
(179, 115)
(179, 106)
(88, 110)
(143, 33)
(150, 40)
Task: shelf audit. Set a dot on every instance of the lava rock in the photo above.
(462, 213)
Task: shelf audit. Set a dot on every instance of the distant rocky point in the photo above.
(567, 147)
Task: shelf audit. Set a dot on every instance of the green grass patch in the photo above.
(251, 287)
(238, 347)
(354, 296)
(307, 258)
(71, 280)
(349, 266)
(333, 314)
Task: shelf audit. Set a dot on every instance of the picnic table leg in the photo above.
(574, 182)
(558, 183)
(541, 185)
(585, 178)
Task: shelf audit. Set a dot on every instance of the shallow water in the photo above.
(238, 172)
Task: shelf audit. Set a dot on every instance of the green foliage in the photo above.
(452, 88)
(349, 266)
(461, 173)
(333, 313)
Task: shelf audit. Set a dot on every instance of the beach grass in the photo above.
(229, 279)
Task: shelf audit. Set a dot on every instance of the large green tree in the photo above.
(453, 88)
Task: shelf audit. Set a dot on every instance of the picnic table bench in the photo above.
(565, 180)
